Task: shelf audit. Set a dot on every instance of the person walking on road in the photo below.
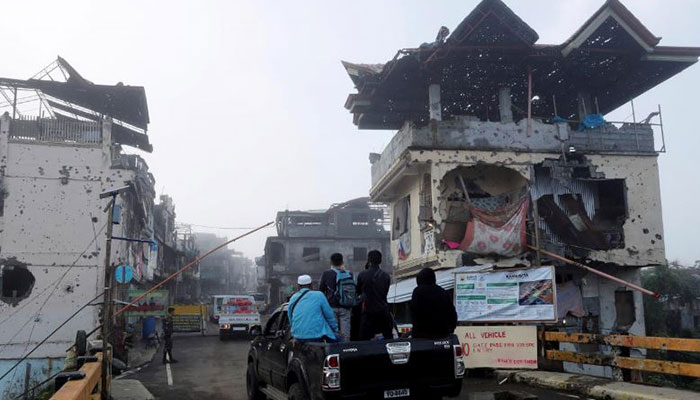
(372, 287)
(341, 292)
(168, 336)
(432, 312)
(311, 316)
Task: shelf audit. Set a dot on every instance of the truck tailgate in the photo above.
(369, 368)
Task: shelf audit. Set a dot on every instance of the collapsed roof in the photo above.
(612, 57)
(79, 99)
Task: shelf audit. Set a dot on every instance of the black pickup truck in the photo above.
(281, 368)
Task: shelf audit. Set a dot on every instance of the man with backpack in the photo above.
(311, 317)
(373, 286)
(339, 287)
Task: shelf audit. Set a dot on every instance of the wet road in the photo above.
(214, 370)
(207, 369)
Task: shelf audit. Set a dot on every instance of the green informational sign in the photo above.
(154, 304)
(506, 296)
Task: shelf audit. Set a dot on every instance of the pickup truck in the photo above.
(282, 368)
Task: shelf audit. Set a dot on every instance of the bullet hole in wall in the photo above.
(16, 281)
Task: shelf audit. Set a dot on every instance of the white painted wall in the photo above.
(48, 223)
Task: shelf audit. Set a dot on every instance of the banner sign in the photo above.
(506, 296)
(499, 346)
(155, 304)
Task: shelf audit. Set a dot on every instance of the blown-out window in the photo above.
(311, 254)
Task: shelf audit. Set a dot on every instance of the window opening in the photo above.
(360, 219)
(359, 254)
(311, 254)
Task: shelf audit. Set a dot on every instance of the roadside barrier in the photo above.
(190, 318)
(620, 345)
(84, 384)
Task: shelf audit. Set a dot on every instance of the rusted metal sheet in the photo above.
(82, 389)
(645, 342)
(638, 364)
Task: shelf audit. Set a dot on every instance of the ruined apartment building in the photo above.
(174, 248)
(57, 154)
(489, 121)
(225, 272)
(306, 239)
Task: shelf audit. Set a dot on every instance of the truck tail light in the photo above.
(330, 380)
(459, 361)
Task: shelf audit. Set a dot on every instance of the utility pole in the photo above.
(107, 312)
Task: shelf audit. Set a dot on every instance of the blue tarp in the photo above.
(591, 121)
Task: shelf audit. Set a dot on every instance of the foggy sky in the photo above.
(246, 97)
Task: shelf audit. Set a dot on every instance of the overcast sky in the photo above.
(246, 97)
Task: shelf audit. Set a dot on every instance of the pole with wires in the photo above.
(181, 270)
(107, 301)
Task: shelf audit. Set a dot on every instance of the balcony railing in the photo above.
(465, 133)
(55, 131)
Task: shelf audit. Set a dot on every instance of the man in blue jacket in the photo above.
(311, 316)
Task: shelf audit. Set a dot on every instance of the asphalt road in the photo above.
(214, 370)
(207, 369)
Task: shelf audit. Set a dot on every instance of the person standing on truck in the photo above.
(311, 316)
(168, 337)
(372, 287)
(433, 313)
(341, 292)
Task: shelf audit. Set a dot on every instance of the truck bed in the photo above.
(397, 368)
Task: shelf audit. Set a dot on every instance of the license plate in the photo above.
(238, 328)
(396, 393)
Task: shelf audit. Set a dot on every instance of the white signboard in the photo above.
(519, 295)
(499, 346)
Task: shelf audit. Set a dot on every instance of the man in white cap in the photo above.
(311, 316)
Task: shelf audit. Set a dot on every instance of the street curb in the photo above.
(597, 388)
(130, 389)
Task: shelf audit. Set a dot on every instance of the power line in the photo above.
(48, 336)
(56, 282)
(181, 270)
(137, 299)
(38, 385)
(218, 227)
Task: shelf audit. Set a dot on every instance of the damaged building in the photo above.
(61, 145)
(225, 272)
(174, 248)
(503, 143)
(306, 239)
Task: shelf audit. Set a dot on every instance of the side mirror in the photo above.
(255, 330)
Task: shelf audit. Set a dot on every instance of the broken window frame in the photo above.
(311, 254)
(577, 200)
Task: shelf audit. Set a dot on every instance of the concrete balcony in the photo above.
(465, 133)
(55, 131)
